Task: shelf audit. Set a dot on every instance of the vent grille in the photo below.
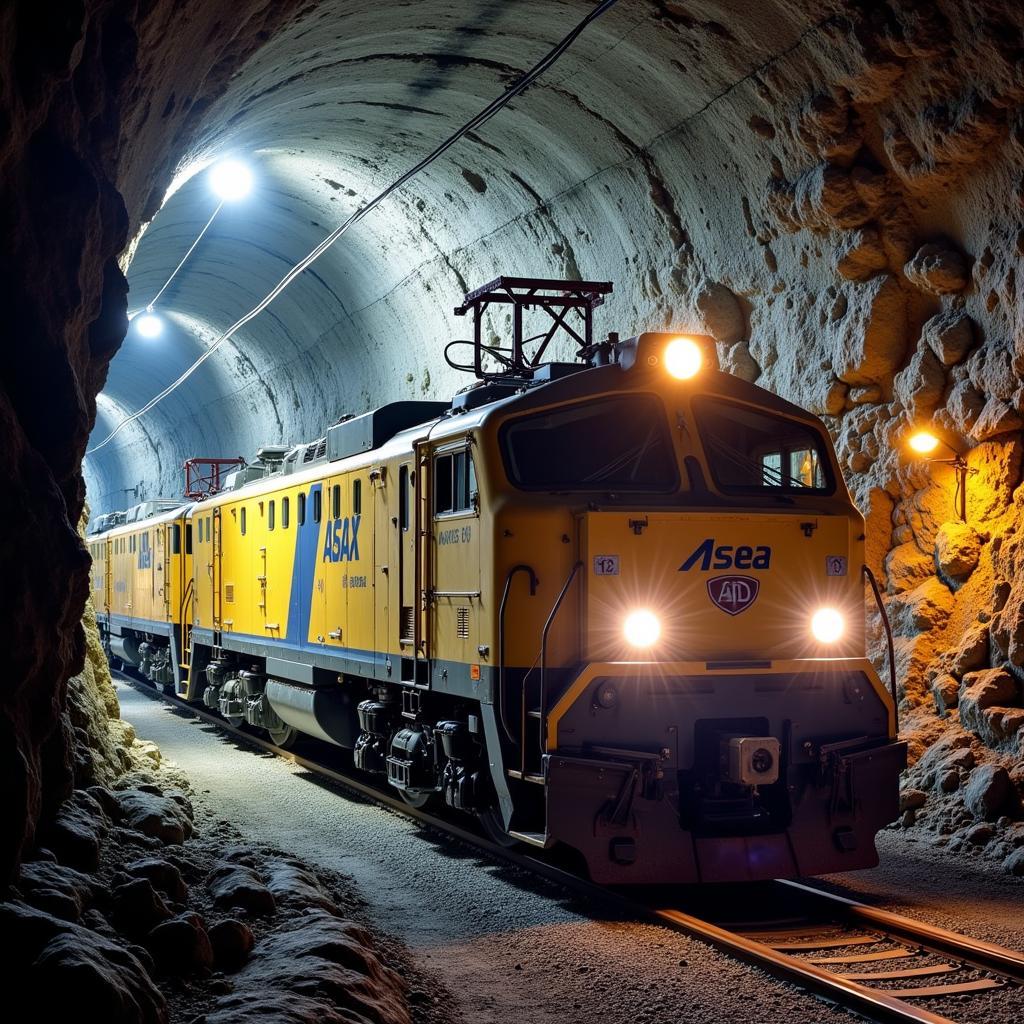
(462, 623)
(229, 593)
(315, 450)
(407, 622)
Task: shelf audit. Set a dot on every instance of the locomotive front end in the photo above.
(706, 710)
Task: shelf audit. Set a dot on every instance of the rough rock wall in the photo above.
(85, 123)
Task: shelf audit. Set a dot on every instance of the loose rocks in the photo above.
(987, 791)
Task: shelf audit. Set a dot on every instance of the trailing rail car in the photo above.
(614, 604)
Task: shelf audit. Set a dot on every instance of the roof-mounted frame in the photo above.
(555, 297)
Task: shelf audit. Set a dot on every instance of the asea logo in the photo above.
(708, 555)
(733, 594)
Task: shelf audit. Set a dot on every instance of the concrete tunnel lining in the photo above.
(326, 122)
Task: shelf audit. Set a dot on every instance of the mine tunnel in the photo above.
(712, 602)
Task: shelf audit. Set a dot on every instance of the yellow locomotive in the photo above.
(615, 604)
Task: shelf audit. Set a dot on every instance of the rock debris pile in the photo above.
(125, 908)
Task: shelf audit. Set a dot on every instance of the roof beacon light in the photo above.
(683, 358)
(231, 180)
(148, 324)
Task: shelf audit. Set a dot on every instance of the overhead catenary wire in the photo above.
(519, 86)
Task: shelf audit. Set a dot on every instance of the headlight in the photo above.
(827, 625)
(683, 358)
(642, 628)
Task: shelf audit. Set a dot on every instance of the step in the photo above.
(534, 777)
(538, 839)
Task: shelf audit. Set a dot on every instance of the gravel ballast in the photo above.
(507, 945)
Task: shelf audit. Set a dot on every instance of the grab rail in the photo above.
(500, 696)
(870, 577)
(544, 654)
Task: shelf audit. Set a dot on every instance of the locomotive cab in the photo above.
(692, 691)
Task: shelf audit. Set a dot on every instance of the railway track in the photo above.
(879, 965)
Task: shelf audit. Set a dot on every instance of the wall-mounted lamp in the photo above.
(924, 443)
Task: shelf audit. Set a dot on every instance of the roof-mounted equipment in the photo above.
(524, 356)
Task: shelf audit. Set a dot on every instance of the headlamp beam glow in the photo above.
(642, 628)
(827, 625)
(683, 358)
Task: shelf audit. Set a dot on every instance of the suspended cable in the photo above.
(519, 86)
(191, 249)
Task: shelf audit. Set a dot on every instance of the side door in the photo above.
(383, 548)
(215, 570)
(454, 586)
(405, 551)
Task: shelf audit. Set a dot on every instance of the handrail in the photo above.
(499, 698)
(544, 655)
(887, 626)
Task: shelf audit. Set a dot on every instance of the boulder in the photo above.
(980, 834)
(738, 361)
(57, 971)
(987, 791)
(232, 942)
(997, 417)
(946, 693)
(138, 907)
(993, 687)
(911, 799)
(181, 946)
(77, 831)
(61, 891)
(906, 566)
(972, 654)
(164, 876)
(167, 818)
(862, 255)
(295, 886)
(938, 268)
(238, 885)
(920, 385)
(922, 609)
(949, 781)
(964, 406)
(1014, 863)
(869, 342)
(720, 313)
(950, 335)
(317, 969)
(957, 549)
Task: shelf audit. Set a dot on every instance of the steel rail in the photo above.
(872, 1004)
(984, 955)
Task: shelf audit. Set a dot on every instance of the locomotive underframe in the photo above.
(637, 786)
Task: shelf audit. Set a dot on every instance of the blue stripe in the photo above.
(307, 544)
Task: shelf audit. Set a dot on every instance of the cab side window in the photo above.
(454, 483)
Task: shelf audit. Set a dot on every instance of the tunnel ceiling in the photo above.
(761, 171)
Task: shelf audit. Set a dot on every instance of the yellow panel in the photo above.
(735, 586)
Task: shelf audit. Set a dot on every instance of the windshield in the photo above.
(609, 444)
(751, 450)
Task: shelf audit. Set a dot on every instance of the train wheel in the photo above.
(417, 800)
(490, 822)
(284, 737)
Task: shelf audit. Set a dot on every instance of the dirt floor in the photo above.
(508, 946)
